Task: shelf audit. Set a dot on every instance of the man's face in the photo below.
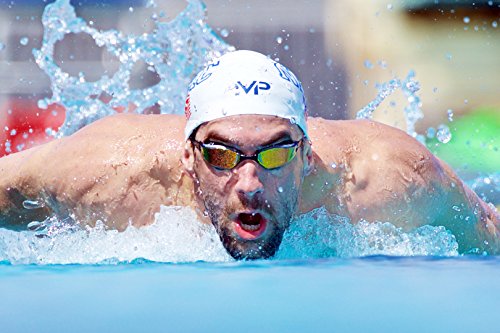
(250, 206)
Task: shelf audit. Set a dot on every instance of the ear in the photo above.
(308, 158)
(187, 158)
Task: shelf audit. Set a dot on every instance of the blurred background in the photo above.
(340, 49)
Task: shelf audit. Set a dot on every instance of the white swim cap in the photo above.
(244, 82)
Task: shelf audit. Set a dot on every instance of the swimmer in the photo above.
(248, 160)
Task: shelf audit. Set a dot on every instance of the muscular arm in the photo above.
(470, 219)
(382, 174)
(119, 169)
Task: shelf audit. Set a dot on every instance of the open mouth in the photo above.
(250, 226)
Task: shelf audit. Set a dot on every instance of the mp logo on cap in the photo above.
(256, 87)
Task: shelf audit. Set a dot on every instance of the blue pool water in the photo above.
(373, 294)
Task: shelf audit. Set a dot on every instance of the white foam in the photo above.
(178, 236)
(319, 234)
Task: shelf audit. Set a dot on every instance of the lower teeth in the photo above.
(250, 227)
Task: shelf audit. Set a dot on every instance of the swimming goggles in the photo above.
(223, 157)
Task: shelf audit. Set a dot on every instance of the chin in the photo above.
(243, 249)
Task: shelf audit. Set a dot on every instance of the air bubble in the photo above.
(280, 189)
(224, 33)
(466, 19)
(279, 40)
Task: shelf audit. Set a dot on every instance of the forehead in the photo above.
(249, 129)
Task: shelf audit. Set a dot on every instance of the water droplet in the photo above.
(312, 30)
(224, 33)
(456, 208)
(450, 115)
(368, 64)
(24, 41)
(131, 9)
(390, 6)
(2, 46)
(279, 40)
(449, 56)
(280, 189)
(434, 90)
(443, 134)
(431, 132)
(466, 19)
(286, 47)
(334, 165)
(494, 24)
(13, 132)
(487, 180)
(33, 204)
(490, 2)
(35, 225)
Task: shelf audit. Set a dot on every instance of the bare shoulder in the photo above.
(367, 142)
(113, 166)
(384, 174)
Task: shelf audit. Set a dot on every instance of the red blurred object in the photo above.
(23, 124)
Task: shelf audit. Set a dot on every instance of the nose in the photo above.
(248, 184)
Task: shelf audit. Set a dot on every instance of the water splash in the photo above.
(412, 112)
(175, 50)
(178, 236)
(319, 234)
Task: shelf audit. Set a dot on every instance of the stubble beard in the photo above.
(250, 249)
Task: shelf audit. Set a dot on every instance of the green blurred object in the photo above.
(475, 142)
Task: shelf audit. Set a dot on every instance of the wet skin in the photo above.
(122, 168)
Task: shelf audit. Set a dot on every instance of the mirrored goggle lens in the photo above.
(275, 157)
(220, 157)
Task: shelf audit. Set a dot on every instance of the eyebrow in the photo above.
(279, 136)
